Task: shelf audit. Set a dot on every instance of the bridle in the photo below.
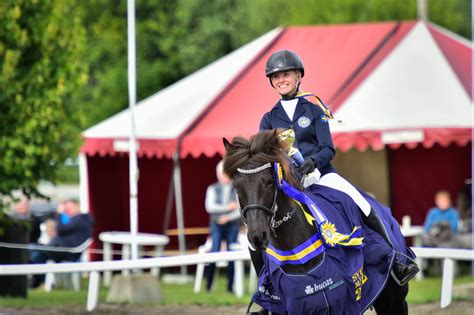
(271, 211)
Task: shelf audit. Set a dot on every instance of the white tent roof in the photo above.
(166, 114)
(413, 84)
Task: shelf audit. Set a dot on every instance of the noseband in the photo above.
(271, 211)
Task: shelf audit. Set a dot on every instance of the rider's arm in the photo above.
(325, 151)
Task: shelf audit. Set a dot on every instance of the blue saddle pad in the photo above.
(348, 280)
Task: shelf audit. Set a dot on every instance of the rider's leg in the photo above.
(403, 273)
(336, 181)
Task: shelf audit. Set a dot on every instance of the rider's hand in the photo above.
(307, 167)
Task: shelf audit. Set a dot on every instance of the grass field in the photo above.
(424, 291)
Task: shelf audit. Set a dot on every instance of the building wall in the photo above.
(366, 170)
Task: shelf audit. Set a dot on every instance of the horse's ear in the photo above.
(227, 145)
(276, 136)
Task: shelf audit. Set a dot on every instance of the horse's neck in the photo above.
(293, 232)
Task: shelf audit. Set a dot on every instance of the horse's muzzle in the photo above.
(258, 240)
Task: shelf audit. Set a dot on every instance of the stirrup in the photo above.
(259, 312)
(411, 267)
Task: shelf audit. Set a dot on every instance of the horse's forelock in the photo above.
(236, 156)
(261, 148)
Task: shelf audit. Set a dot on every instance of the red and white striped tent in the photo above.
(401, 89)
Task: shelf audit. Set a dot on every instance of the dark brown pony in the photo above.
(254, 189)
(272, 217)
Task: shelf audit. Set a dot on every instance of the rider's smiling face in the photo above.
(286, 82)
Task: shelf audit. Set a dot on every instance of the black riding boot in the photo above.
(400, 272)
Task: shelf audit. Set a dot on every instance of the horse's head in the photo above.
(249, 163)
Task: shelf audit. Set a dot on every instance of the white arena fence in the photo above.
(446, 254)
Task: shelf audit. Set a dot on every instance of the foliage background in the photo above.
(41, 49)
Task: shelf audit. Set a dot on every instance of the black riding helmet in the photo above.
(284, 60)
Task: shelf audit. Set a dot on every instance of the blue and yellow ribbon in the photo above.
(319, 102)
(298, 255)
(327, 230)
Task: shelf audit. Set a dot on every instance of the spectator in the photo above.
(22, 212)
(75, 232)
(63, 216)
(50, 224)
(51, 230)
(71, 234)
(222, 205)
(441, 222)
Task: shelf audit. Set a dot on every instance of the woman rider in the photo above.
(309, 121)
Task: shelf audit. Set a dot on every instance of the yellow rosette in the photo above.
(333, 238)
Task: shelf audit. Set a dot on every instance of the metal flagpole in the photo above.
(133, 165)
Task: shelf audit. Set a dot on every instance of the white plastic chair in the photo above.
(75, 277)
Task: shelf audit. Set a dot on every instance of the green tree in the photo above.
(257, 17)
(41, 47)
(105, 54)
(175, 38)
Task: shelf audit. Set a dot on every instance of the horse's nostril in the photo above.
(260, 240)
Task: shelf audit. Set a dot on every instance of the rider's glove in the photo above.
(307, 167)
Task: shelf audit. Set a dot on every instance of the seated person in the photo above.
(49, 232)
(71, 234)
(441, 222)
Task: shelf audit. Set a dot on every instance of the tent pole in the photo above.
(83, 183)
(422, 9)
(133, 163)
(178, 197)
(169, 203)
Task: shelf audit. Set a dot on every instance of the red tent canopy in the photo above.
(338, 60)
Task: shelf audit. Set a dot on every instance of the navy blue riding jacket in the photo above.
(311, 127)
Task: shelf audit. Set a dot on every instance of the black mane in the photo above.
(264, 147)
